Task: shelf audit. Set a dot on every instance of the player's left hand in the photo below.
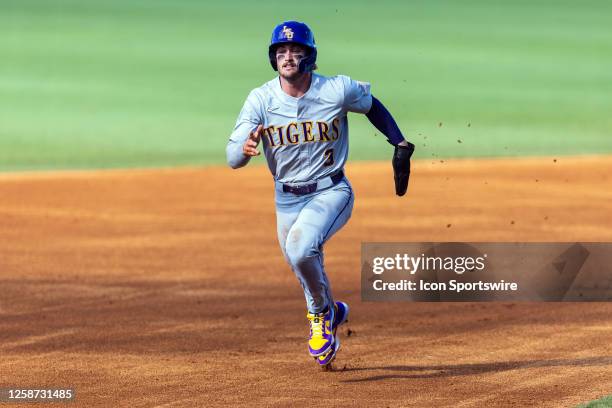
(401, 166)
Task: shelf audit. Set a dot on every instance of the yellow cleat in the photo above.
(321, 337)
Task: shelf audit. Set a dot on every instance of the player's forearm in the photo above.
(235, 155)
(380, 117)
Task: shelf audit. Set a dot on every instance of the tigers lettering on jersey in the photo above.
(295, 133)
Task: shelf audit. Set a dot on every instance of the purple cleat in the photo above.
(342, 312)
(321, 338)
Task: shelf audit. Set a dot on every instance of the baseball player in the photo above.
(300, 117)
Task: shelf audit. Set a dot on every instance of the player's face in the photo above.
(288, 57)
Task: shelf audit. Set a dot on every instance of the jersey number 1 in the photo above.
(329, 154)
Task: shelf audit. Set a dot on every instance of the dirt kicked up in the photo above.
(167, 288)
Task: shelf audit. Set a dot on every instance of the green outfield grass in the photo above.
(149, 82)
(605, 402)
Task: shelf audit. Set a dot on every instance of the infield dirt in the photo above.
(167, 288)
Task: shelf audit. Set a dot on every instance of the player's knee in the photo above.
(299, 253)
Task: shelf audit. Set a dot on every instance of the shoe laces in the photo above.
(316, 324)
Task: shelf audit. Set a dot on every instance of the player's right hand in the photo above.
(250, 146)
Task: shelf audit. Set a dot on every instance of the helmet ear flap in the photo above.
(272, 56)
(307, 64)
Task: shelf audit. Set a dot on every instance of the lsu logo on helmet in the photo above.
(287, 33)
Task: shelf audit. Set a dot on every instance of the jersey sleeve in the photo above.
(357, 96)
(248, 120)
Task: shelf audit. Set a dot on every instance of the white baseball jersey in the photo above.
(305, 138)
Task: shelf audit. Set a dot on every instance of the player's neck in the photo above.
(298, 86)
